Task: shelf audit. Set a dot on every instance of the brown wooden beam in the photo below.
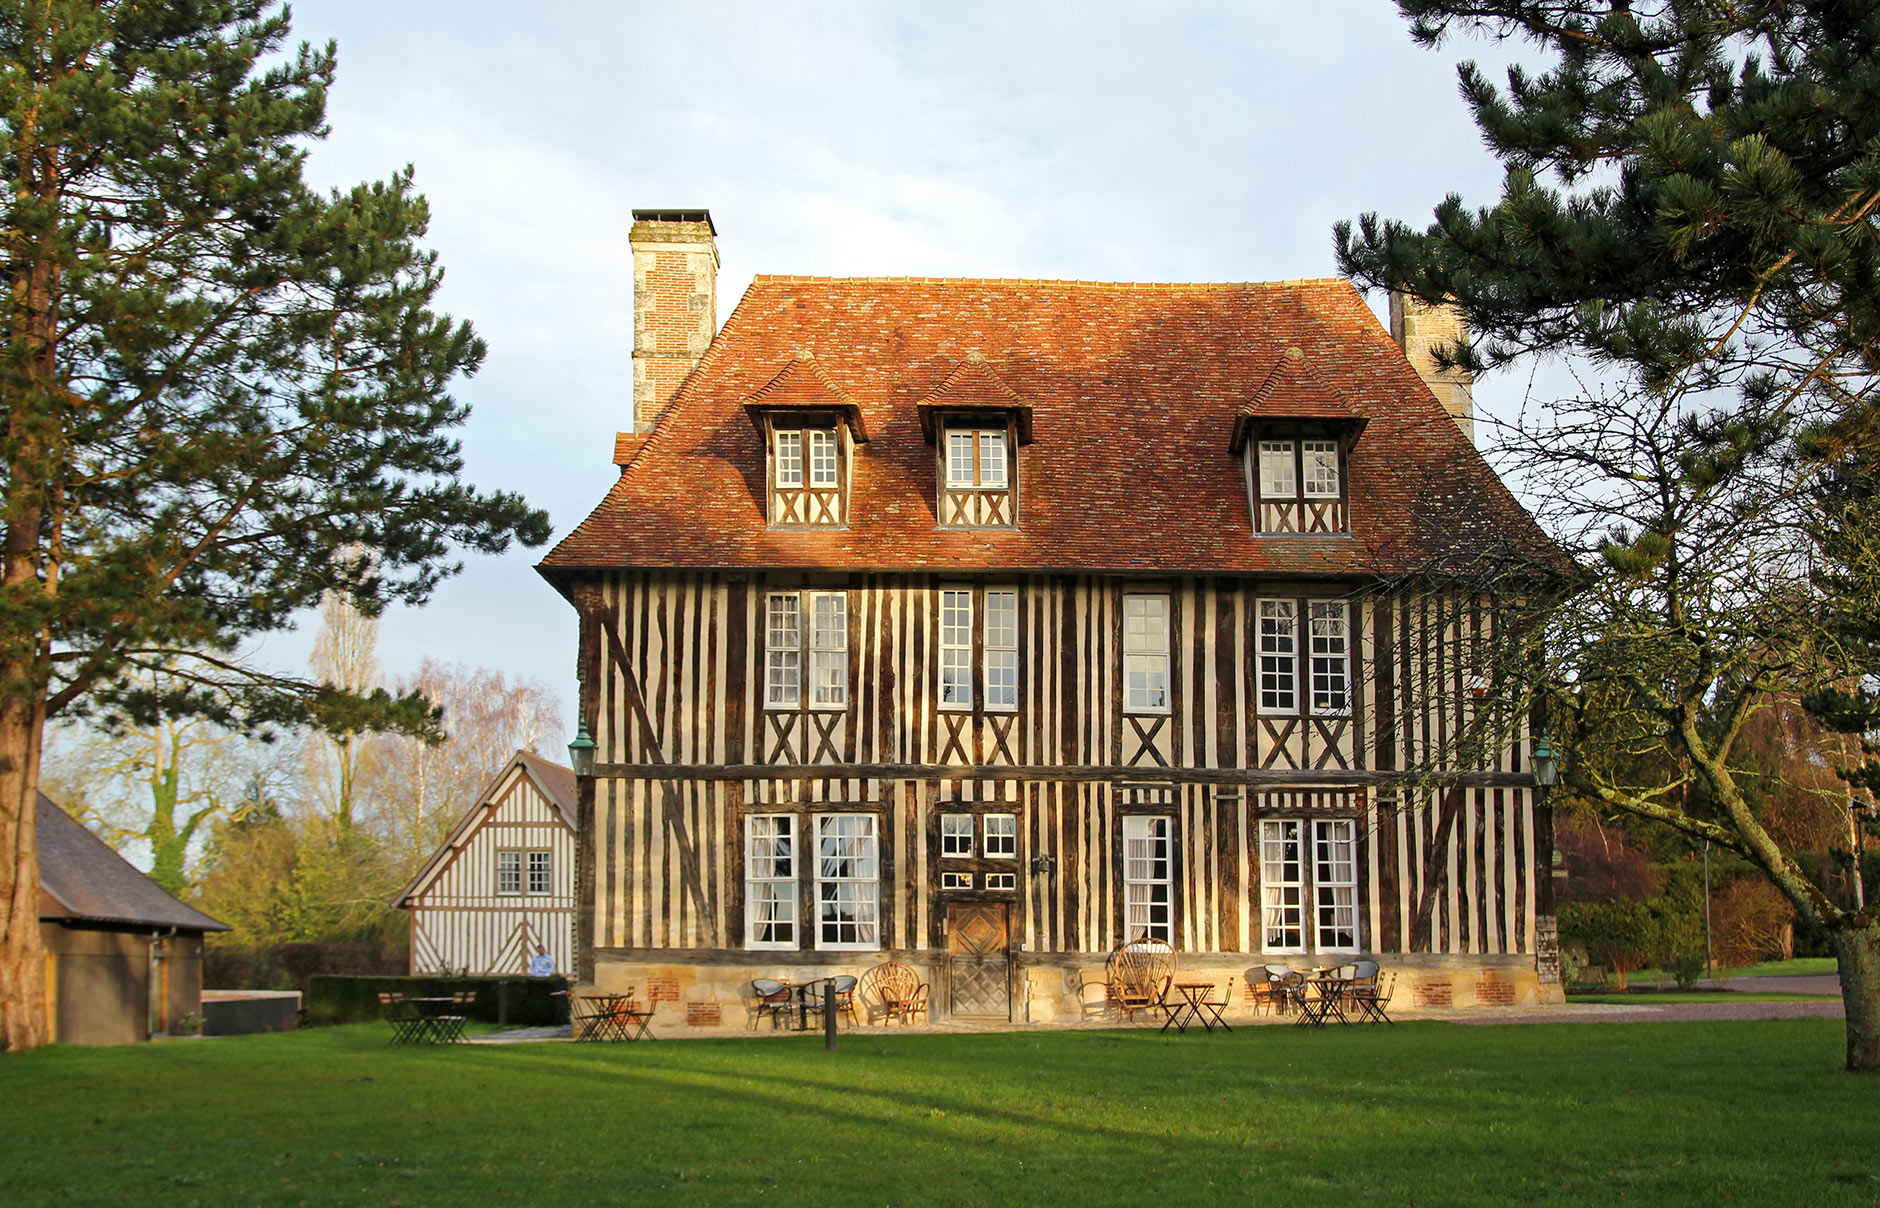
(1249, 777)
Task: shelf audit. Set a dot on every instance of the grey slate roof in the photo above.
(81, 878)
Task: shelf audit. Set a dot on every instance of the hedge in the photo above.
(336, 999)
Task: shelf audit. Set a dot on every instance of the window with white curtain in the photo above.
(1149, 877)
(818, 621)
(848, 881)
(1312, 862)
(770, 881)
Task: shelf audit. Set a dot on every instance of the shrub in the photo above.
(1620, 935)
(336, 999)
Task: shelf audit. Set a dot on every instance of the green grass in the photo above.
(1803, 966)
(1421, 1114)
(1666, 998)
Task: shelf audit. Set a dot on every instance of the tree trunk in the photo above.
(1857, 953)
(22, 958)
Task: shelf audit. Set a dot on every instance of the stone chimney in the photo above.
(1419, 327)
(675, 304)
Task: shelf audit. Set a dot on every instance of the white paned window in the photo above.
(1278, 474)
(783, 676)
(822, 458)
(1002, 836)
(1001, 650)
(1148, 878)
(956, 834)
(1335, 885)
(976, 459)
(956, 880)
(509, 873)
(1330, 661)
(1320, 460)
(959, 459)
(830, 650)
(1145, 654)
(1282, 885)
(956, 649)
(1001, 880)
(540, 879)
(770, 881)
(826, 614)
(848, 882)
(992, 459)
(1279, 656)
(790, 458)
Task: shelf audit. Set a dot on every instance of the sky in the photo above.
(1092, 141)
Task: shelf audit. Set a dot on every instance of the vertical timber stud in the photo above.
(589, 602)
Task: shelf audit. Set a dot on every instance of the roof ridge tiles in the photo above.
(811, 278)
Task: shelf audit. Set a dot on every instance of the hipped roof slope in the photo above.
(82, 879)
(1134, 391)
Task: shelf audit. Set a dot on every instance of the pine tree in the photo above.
(1689, 214)
(216, 385)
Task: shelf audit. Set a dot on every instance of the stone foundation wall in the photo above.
(713, 995)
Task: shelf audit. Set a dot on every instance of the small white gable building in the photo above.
(503, 881)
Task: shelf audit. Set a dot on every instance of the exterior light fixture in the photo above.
(1546, 761)
(1043, 865)
(581, 751)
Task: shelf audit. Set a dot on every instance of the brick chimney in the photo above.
(1419, 327)
(675, 304)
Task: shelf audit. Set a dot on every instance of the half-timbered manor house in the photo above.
(984, 625)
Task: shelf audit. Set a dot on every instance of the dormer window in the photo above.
(1298, 486)
(810, 430)
(976, 423)
(976, 459)
(1294, 436)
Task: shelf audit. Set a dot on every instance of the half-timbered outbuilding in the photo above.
(501, 885)
(985, 625)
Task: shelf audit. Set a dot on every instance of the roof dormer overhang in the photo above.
(975, 392)
(1293, 400)
(802, 394)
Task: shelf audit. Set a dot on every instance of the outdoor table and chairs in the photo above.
(610, 1016)
(427, 1019)
(1195, 1003)
(793, 1003)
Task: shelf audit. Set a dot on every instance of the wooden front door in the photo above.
(980, 959)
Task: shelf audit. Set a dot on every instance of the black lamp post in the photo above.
(581, 751)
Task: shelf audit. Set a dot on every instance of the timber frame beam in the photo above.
(1134, 774)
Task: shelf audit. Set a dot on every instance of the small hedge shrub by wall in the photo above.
(333, 999)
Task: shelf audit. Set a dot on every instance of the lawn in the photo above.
(1801, 966)
(1424, 1113)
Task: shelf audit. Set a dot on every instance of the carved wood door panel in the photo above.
(980, 959)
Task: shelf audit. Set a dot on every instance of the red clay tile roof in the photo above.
(1135, 390)
(975, 386)
(802, 385)
(1292, 391)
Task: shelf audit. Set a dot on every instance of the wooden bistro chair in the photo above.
(1287, 986)
(1139, 976)
(408, 1024)
(894, 991)
(770, 997)
(1373, 1000)
(447, 1025)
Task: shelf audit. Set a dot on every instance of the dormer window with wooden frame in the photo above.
(810, 430)
(976, 424)
(1294, 440)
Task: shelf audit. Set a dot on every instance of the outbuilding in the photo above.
(123, 957)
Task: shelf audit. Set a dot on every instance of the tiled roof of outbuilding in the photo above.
(82, 879)
(1134, 391)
